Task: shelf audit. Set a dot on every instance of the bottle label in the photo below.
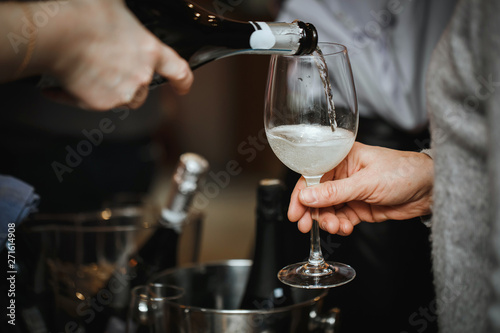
(262, 37)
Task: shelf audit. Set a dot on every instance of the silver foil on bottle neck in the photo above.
(186, 182)
(190, 172)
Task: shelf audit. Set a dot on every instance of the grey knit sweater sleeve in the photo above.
(492, 104)
(463, 106)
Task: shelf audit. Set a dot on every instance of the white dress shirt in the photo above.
(390, 44)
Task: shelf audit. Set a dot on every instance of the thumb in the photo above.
(332, 192)
(175, 69)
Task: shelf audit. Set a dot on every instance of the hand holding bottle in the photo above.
(102, 56)
(371, 184)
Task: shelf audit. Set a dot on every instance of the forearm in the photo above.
(14, 46)
(97, 50)
(33, 33)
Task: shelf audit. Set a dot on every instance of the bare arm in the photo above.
(97, 49)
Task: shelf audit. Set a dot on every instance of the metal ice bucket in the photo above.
(91, 260)
(213, 292)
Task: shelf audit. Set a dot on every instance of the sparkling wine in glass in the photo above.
(311, 135)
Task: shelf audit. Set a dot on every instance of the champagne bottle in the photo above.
(201, 36)
(161, 250)
(264, 291)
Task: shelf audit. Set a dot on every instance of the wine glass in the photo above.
(311, 136)
(149, 307)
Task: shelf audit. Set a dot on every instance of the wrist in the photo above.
(21, 36)
(52, 21)
(34, 38)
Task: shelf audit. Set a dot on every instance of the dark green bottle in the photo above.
(264, 291)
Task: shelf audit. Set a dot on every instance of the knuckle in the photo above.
(333, 227)
(96, 101)
(143, 77)
(100, 105)
(329, 190)
(182, 71)
(150, 47)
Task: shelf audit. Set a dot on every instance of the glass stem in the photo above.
(315, 255)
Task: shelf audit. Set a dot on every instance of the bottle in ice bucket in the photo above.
(264, 291)
(201, 36)
(161, 250)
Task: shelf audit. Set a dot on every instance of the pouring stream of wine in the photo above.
(323, 71)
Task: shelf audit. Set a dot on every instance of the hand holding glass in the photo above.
(311, 136)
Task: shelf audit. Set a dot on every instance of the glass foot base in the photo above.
(328, 275)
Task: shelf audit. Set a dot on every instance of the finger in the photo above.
(334, 192)
(175, 69)
(348, 218)
(96, 96)
(60, 96)
(345, 227)
(328, 220)
(296, 209)
(327, 176)
(139, 97)
(305, 222)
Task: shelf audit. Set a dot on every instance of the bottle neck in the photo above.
(275, 38)
(283, 38)
(265, 38)
(186, 182)
(200, 36)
